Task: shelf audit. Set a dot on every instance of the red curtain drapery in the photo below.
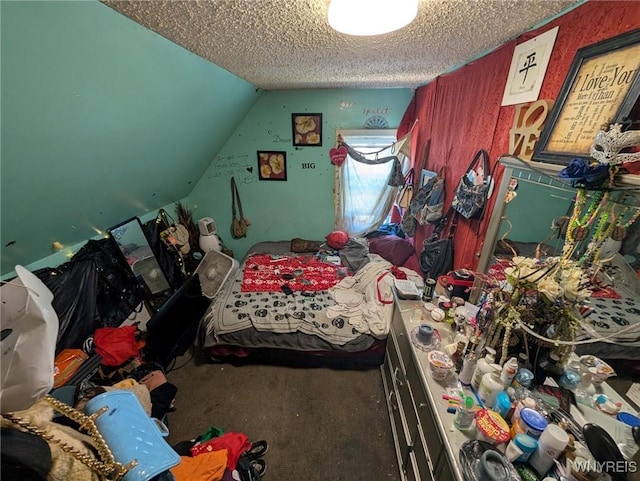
(459, 113)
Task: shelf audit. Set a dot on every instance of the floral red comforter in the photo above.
(268, 273)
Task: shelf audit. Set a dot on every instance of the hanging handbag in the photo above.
(239, 224)
(436, 257)
(432, 210)
(471, 196)
(167, 253)
(406, 191)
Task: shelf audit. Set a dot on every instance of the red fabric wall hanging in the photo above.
(460, 112)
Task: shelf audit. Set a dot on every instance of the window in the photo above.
(363, 198)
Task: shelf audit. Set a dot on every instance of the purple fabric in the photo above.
(391, 248)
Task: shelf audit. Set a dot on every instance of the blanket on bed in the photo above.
(359, 304)
(365, 300)
(617, 320)
(263, 273)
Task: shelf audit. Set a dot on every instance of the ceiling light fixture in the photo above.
(371, 17)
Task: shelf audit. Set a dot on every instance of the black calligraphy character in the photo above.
(529, 63)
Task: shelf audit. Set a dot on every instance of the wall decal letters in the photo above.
(380, 111)
(233, 166)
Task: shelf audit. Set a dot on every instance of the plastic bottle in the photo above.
(468, 367)
(509, 371)
(522, 379)
(571, 377)
(524, 402)
(502, 405)
(526, 444)
(490, 387)
(465, 414)
(551, 443)
(483, 367)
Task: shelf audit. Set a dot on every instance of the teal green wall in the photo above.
(301, 206)
(64, 254)
(101, 120)
(550, 201)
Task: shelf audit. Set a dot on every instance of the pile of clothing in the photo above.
(220, 456)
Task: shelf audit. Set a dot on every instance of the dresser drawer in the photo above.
(411, 470)
(404, 391)
(425, 416)
(399, 424)
(402, 339)
(393, 353)
(421, 453)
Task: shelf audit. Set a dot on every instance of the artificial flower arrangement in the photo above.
(539, 301)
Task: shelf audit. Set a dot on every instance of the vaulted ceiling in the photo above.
(288, 44)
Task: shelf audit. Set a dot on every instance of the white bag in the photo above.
(28, 342)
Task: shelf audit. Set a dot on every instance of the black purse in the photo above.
(436, 257)
(470, 198)
(169, 258)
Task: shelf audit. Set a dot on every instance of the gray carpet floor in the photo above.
(321, 424)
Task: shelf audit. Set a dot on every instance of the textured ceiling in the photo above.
(287, 44)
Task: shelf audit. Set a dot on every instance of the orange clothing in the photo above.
(204, 467)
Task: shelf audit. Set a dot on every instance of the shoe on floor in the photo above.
(257, 449)
(259, 466)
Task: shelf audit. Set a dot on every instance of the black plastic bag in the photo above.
(94, 289)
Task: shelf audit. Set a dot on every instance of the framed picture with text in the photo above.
(272, 165)
(306, 130)
(601, 88)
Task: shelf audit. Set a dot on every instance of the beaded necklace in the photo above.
(605, 226)
(578, 229)
(620, 231)
(609, 225)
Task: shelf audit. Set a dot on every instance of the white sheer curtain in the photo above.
(363, 199)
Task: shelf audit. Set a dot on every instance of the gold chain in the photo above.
(107, 467)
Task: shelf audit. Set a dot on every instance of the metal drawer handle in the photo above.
(390, 399)
(395, 376)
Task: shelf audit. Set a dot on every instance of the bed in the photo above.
(333, 318)
(614, 317)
